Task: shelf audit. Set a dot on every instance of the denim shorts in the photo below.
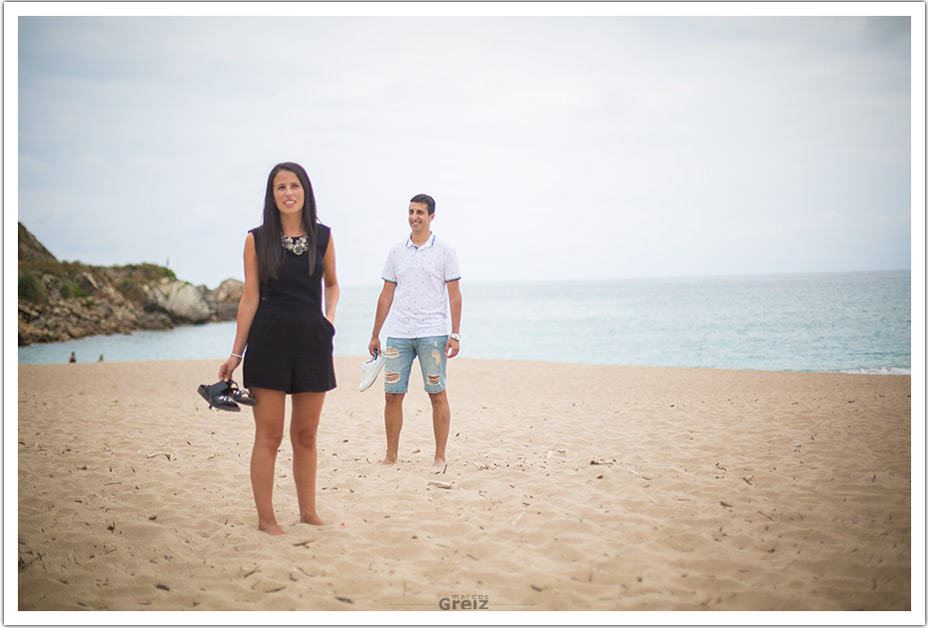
(399, 354)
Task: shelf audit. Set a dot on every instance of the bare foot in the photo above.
(439, 462)
(389, 460)
(313, 520)
(272, 528)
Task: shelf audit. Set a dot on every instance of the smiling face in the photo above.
(288, 193)
(419, 219)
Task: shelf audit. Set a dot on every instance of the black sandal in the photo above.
(241, 395)
(218, 396)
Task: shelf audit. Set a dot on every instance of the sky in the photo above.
(557, 147)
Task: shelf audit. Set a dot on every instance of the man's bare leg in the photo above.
(441, 423)
(393, 422)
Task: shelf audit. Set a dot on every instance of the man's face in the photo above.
(419, 218)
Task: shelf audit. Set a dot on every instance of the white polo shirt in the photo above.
(420, 304)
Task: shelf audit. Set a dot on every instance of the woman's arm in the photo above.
(330, 279)
(247, 307)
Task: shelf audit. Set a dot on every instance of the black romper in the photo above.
(290, 341)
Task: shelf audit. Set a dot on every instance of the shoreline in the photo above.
(572, 487)
(881, 371)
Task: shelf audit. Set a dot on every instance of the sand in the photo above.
(568, 487)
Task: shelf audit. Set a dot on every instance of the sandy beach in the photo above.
(568, 487)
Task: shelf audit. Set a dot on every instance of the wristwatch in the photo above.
(455, 337)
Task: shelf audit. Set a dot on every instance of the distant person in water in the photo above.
(73, 358)
(421, 285)
(101, 358)
(284, 337)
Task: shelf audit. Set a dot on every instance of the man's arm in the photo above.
(384, 302)
(455, 300)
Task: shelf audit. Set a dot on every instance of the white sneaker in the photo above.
(370, 370)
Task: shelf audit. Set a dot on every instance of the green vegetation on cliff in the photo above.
(60, 300)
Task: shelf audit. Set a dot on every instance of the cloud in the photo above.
(30, 166)
(94, 161)
(649, 145)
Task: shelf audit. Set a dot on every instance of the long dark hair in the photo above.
(270, 253)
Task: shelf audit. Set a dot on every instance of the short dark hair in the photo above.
(426, 200)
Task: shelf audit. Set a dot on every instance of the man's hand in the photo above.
(374, 346)
(452, 347)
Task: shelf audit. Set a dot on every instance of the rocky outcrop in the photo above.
(223, 301)
(31, 250)
(181, 301)
(64, 300)
(66, 319)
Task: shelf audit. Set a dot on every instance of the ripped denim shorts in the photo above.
(400, 353)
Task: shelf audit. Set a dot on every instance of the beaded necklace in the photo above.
(298, 245)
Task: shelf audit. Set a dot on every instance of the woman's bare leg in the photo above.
(304, 425)
(269, 433)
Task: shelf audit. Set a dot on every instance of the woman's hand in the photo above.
(228, 367)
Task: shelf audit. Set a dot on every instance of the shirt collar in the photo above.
(427, 244)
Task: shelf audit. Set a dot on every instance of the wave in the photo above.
(879, 371)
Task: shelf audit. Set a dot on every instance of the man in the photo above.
(421, 284)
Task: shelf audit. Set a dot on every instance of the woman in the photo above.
(289, 341)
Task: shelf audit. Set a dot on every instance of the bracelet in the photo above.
(240, 357)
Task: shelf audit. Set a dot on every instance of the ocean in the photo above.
(834, 322)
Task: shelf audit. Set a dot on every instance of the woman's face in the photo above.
(288, 192)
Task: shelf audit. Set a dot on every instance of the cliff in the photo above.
(64, 300)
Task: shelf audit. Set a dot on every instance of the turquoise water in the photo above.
(845, 322)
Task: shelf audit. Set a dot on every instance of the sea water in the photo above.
(842, 322)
